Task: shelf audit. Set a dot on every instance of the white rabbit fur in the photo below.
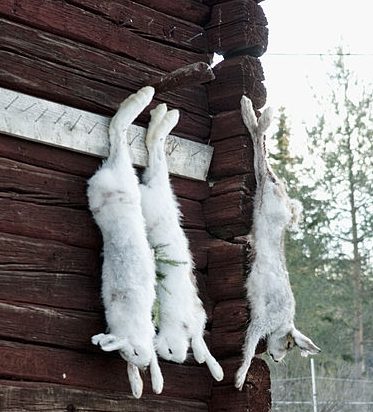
(119, 205)
(269, 292)
(128, 273)
(182, 317)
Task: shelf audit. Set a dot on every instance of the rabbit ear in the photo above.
(306, 346)
(265, 120)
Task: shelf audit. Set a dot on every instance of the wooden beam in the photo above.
(38, 396)
(58, 125)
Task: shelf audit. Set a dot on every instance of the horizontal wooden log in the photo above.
(48, 81)
(51, 158)
(199, 244)
(192, 214)
(232, 157)
(230, 316)
(148, 23)
(70, 21)
(245, 183)
(242, 75)
(227, 334)
(18, 253)
(226, 125)
(22, 182)
(189, 10)
(229, 215)
(204, 295)
(68, 226)
(238, 27)
(98, 371)
(190, 189)
(62, 290)
(52, 326)
(76, 227)
(42, 397)
(227, 344)
(88, 62)
(254, 397)
(227, 270)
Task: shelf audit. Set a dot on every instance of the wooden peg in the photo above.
(190, 75)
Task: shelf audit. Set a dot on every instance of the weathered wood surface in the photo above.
(232, 157)
(42, 397)
(45, 80)
(58, 125)
(19, 253)
(257, 373)
(98, 371)
(20, 181)
(79, 24)
(229, 215)
(69, 226)
(60, 239)
(54, 159)
(196, 73)
(148, 23)
(238, 27)
(190, 189)
(22, 397)
(111, 75)
(233, 183)
(235, 77)
(36, 226)
(189, 10)
(51, 326)
(228, 338)
(227, 269)
(27, 183)
(226, 125)
(60, 290)
(255, 396)
(199, 244)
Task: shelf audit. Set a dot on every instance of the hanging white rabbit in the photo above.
(272, 304)
(128, 273)
(182, 318)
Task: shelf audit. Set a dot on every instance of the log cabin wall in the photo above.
(91, 54)
(237, 30)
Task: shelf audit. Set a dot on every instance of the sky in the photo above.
(301, 35)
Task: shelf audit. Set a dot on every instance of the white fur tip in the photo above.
(96, 338)
(241, 376)
(157, 386)
(246, 103)
(135, 380)
(148, 91)
(265, 120)
(239, 382)
(217, 372)
(156, 376)
(160, 110)
(173, 117)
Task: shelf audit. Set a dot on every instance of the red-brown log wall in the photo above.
(237, 30)
(88, 54)
(91, 54)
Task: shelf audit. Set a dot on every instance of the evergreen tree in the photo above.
(344, 148)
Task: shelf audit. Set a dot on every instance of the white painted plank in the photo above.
(39, 120)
